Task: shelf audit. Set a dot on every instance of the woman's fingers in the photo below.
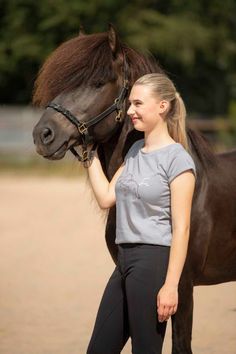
(172, 310)
(167, 302)
(165, 312)
(160, 312)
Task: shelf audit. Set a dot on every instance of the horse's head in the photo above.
(78, 84)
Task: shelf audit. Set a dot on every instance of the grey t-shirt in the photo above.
(143, 210)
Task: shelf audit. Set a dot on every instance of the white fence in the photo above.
(16, 126)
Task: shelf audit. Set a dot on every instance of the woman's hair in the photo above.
(164, 88)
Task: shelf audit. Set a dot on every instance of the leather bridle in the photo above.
(82, 127)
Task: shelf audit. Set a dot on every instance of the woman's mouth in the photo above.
(134, 119)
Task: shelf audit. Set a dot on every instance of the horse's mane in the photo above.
(201, 150)
(85, 59)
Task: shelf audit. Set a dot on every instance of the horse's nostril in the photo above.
(47, 136)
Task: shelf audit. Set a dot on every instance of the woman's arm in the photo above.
(104, 190)
(182, 189)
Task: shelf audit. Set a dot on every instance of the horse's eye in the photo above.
(98, 84)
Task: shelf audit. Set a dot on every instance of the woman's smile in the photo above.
(134, 119)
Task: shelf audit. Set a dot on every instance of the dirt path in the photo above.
(54, 265)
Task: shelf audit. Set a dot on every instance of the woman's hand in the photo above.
(167, 302)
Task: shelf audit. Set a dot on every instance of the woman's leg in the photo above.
(146, 267)
(111, 330)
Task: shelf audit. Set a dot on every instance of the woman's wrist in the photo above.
(172, 284)
(92, 156)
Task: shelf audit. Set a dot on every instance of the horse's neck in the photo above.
(112, 152)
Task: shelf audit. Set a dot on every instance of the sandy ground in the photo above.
(54, 265)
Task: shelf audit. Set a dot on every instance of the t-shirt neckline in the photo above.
(156, 150)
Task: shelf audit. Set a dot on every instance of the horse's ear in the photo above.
(114, 41)
(81, 31)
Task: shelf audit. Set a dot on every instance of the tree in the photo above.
(194, 41)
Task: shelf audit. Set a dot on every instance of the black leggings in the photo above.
(129, 304)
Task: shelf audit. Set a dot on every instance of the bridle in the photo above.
(82, 127)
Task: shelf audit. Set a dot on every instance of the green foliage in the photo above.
(194, 41)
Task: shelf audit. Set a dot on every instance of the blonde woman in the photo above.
(153, 191)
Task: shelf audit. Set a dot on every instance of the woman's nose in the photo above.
(130, 110)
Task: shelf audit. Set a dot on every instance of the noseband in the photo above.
(117, 106)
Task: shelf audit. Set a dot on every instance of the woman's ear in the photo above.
(164, 106)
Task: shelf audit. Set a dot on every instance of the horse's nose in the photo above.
(47, 136)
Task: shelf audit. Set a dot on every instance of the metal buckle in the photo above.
(126, 82)
(119, 116)
(82, 128)
(84, 155)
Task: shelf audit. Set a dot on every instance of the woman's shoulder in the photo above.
(178, 161)
(178, 150)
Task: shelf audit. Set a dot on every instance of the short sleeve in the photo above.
(179, 162)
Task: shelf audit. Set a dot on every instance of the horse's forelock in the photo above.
(81, 59)
(84, 59)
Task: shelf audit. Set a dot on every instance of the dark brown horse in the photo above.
(80, 81)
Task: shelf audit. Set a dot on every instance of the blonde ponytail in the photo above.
(176, 121)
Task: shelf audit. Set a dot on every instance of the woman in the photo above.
(153, 192)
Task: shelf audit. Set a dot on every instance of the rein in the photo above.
(118, 106)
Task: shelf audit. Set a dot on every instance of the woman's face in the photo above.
(145, 109)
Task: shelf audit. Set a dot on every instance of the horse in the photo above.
(84, 86)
